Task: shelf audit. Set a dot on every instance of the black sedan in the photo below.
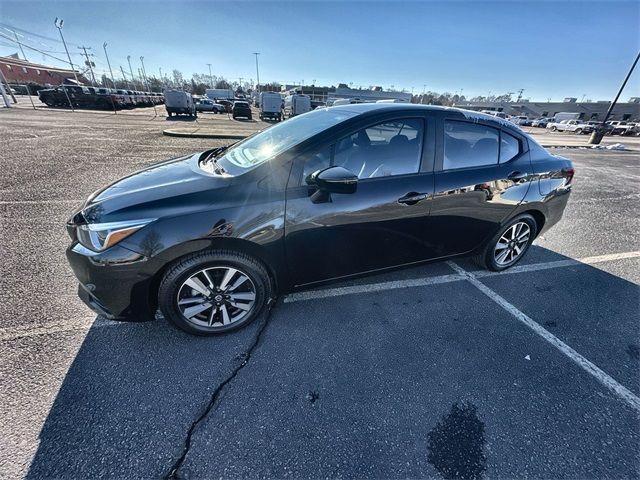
(212, 238)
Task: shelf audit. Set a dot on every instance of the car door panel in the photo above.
(469, 204)
(381, 225)
(360, 232)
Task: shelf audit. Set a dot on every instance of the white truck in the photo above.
(296, 104)
(270, 106)
(220, 93)
(178, 102)
(575, 126)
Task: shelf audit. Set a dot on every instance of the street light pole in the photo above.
(210, 76)
(596, 136)
(257, 72)
(20, 45)
(133, 79)
(104, 45)
(59, 27)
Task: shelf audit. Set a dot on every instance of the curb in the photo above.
(197, 134)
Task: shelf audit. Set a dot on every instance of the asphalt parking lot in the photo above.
(438, 371)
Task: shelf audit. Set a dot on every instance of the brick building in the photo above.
(20, 72)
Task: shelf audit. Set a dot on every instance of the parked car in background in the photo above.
(227, 104)
(297, 104)
(575, 126)
(241, 109)
(521, 120)
(212, 238)
(206, 105)
(622, 128)
(497, 114)
(541, 122)
(178, 102)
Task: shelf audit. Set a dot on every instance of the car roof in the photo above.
(362, 108)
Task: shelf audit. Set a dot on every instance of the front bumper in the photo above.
(114, 283)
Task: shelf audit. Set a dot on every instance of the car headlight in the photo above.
(100, 236)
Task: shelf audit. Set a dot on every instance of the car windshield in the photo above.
(265, 145)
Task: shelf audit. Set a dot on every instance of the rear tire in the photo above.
(509, 245)
(217, 304)
(553, 129)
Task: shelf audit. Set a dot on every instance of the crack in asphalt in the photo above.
(246, 356)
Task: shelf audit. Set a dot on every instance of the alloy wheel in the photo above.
(216, 297)
(512, 244)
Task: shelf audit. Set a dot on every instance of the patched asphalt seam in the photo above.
(173, 471)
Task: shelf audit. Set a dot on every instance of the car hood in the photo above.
(178, 184)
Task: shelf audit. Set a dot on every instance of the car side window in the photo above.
(509, 147)
(318, 160)
(382, 150)
(469, 145)
(386, 149)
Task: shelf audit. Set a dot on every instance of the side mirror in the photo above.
(334, 180)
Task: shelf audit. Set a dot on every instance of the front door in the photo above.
(382, 224)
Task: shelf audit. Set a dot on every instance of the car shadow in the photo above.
(134, 389)
(129, 398)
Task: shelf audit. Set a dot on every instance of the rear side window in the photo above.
(509, 147)
(469, 145)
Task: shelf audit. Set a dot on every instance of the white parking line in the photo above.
(11, 333)
(371, 287)
(420, 282)
(589, 367)
(562, 263)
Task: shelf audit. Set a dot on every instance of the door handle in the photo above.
(517, 176)
(413, 198)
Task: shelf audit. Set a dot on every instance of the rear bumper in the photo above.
(115, 283)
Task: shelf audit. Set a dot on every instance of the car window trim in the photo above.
(427, 157)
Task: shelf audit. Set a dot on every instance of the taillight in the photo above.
(568, 174)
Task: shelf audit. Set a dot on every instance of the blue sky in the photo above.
(551, 49)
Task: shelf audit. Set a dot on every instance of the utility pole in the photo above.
(19, 44)
(89, 64)
(519, 95)
(104, 45)
(596, 136)
(124, 77)
(257, 72)
(58, 25)
(133, 79)
(210, 76)
(144, 73)
(161, 77)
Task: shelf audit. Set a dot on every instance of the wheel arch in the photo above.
(538, 216)
(176, 253)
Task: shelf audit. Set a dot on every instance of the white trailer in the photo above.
(296, 105)
(178, 102)
(271, 106)
(220, 93)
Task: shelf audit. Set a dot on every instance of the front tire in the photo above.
(214, 292)
(509, 245)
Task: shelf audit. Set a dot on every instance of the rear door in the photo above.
(482, 175)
